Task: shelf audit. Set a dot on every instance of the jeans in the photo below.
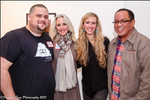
(100, 95)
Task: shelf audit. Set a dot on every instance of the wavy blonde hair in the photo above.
(82, 43)
(53, 32)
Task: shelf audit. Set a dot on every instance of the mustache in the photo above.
(42, 22)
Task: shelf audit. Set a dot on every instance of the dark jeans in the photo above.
(100, 95)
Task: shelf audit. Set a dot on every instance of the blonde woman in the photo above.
(91, 56)
(65, 67)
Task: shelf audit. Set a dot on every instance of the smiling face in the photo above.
(38, 21)
(90, 25)
(61, 26)
(123, 30)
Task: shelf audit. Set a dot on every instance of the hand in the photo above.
(12, 98)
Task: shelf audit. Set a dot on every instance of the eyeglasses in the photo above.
(121, 22)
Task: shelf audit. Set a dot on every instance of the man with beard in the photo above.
(26, 59)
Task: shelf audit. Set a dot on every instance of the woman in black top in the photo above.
(91, 56)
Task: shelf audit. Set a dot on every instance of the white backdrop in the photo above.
(13, 15)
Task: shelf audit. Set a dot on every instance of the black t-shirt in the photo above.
(94, 77)
(31, 73)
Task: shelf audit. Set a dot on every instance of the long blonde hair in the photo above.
(53, 31)
(82, 43)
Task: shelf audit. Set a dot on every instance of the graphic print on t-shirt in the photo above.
(42, 51)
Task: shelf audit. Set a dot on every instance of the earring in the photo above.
(96, 31)
(83, 30)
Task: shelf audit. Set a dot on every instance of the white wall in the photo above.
(141, 11)
(13, 14)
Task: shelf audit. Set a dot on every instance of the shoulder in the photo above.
(19, 30)
(142, 37)
(114, 40)
(106, 41)
(73, 43)
(72, 46)
(13, 34)
(138, 38)
(46, 35)
(142, 41)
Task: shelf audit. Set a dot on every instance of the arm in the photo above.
(53, 65)
(144, 61)
(106, 43)
(6, 84)
(78, 64)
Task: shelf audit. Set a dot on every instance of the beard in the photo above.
(40, 26)
(41, 29)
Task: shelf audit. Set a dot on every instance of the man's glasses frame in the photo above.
(121, 22)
